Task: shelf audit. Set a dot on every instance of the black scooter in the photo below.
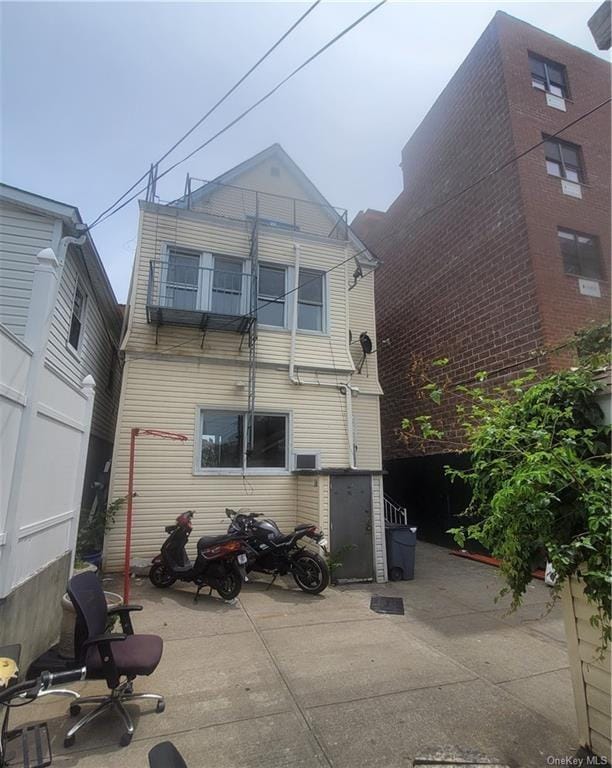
(219, 564)
(271, 551)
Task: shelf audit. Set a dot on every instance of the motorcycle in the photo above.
(219, 564)
(273, 552)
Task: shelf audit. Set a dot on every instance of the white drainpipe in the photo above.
(292, 377)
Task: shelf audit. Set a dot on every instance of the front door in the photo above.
(351, 525)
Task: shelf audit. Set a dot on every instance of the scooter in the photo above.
(219, 564)
(271, 551)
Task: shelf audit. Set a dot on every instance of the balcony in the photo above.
(183, 291)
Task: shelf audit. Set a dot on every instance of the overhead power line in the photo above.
(434, 208)
(225, 96)
(243, 114)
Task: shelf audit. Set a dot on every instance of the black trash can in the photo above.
(401, 543)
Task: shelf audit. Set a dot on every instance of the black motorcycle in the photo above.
(220, 562)
(273, 552)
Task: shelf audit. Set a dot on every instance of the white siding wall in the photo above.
(22, 236)
(591, 678)
(95, 355)
(44, 431)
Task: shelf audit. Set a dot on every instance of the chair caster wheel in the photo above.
(161, 705)
(125, 739)
(68, 741)
(74, 710)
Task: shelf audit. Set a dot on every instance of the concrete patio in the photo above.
(285, 679)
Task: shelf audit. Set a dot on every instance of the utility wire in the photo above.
(211, 110)
(243, 114)
(447, 201)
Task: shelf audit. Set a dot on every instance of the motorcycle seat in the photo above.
(303, 526)
(207, 541)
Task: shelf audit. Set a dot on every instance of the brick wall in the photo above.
(473, 281)
(562, 307)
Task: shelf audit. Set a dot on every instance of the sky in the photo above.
(92, 93)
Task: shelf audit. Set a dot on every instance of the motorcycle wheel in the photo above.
(159, 576)
(230, 585)
(311, 572)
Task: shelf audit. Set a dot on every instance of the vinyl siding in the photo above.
(22, 236)
(590, 672)
(366, 421)
(165, 394)
(170, 226)
(95, 355)
(279, 198)
(362, 318)
(378, 518)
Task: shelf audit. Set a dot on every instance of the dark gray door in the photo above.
(351, 525)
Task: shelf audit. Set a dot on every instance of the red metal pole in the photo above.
(128, 522)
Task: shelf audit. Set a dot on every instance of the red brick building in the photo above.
(519, 262)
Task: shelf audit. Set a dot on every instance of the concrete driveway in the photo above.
(285, 679)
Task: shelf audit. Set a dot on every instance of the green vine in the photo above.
(540, 473)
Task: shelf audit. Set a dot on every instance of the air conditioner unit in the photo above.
(307, 460)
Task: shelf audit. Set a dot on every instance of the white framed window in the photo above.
(227, 290)
(181, 286)
(311, 300)
(222, 444)
(77, 318)
(271, 300)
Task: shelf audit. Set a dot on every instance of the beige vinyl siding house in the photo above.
(188, 370)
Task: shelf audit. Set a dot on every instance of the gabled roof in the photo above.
(71, 218)
(277, 153)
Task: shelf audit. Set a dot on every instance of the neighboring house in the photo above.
(59, 388)
(518, 263)
(280, 408)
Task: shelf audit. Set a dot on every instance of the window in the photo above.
(223, 441)
(548, 76)
(182, 280)
(310, 300)
(580, 254)
(227, 286)
(271, 284)
(563, 160)
(75, 336)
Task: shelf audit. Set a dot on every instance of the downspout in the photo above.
(348, 391)
(294, 318)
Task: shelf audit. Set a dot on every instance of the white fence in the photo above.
(44, 435)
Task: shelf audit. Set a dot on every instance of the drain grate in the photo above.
(394, 605)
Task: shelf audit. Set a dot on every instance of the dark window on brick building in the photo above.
(580, 254)
(548, 76)
(563, 160)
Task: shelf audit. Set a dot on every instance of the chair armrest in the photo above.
(123, 611)
(122, 608)
(104, 639)
(103, 643)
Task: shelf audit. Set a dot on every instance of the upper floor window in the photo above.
(223, 441)
(311, 304)
(580, 254)
(271, 295)
(548, 76)
(75, 337)
(227, 286)
(563, 160)
(182, 279)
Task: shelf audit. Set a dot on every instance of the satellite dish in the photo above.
(366, 343)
